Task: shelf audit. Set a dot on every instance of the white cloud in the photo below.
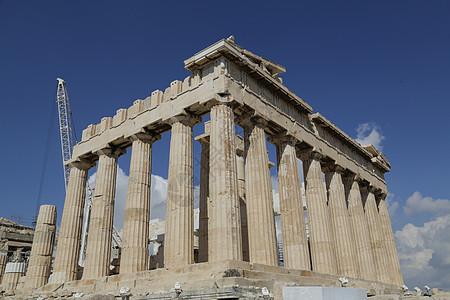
(121, 197)
(370, 134)
(158, 197)
(417, 203)
(391, 204)
(424, 253)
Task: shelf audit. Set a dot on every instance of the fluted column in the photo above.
(242, 201)
(203, 202)
(258, 187)
(3, 262)
(225, 240)
(340, 223)
(65, 266)
(98, 251)
(391, 250)
(376, 234)
(13, 273)
(360, 229)
(293, 225)
(134, 256)
(179, 232)
(320, 237)
(42, 249)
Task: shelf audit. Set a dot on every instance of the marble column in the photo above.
(3, 262)
(134, 256)
(242, 200)
(293, 225)
(13, 273)
(340, 223)
(360, 229)
(203, 202)
(376, 234)
(179, 231)
(42, 249)
(98, 250)
(258, 187)
(225, 239)
(391, 250)
(65, 266)
(320, 237)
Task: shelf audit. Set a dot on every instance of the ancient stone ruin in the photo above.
(349, 231)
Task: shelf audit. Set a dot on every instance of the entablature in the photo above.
(320, 120)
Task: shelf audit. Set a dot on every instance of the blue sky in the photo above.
(380, 63)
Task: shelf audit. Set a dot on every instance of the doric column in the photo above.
(293, 225)
(65, 266)
(98, 251)
(179, 232)
(360, 229)
(391, 250)
(134, 256)
(340, 223)
(13, 272)
(320, 237)
(225, 240)
(3, 262)
(376, 234)
(258, 187)
(242, 200)
(42, 249)
(203, 202)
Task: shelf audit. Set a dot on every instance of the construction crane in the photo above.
(68, 140)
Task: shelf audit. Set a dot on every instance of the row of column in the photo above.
(134, 256)
(349, 229)
(345, 237)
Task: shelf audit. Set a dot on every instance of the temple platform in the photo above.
(218, 280)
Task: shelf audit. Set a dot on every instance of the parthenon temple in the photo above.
(343, 231)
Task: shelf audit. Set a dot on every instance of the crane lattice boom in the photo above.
(65, 126)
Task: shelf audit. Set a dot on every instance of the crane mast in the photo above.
(65, 127)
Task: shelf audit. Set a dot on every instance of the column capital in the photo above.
(365, 186)
(204, 140)
(111, 152)
(311, 154)
(185, 118)
(249, 119)
(225, 99)
(380, 195)
(82, 164)
(284, 137)
(332, 167)
(351, 177)
(145, 137)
